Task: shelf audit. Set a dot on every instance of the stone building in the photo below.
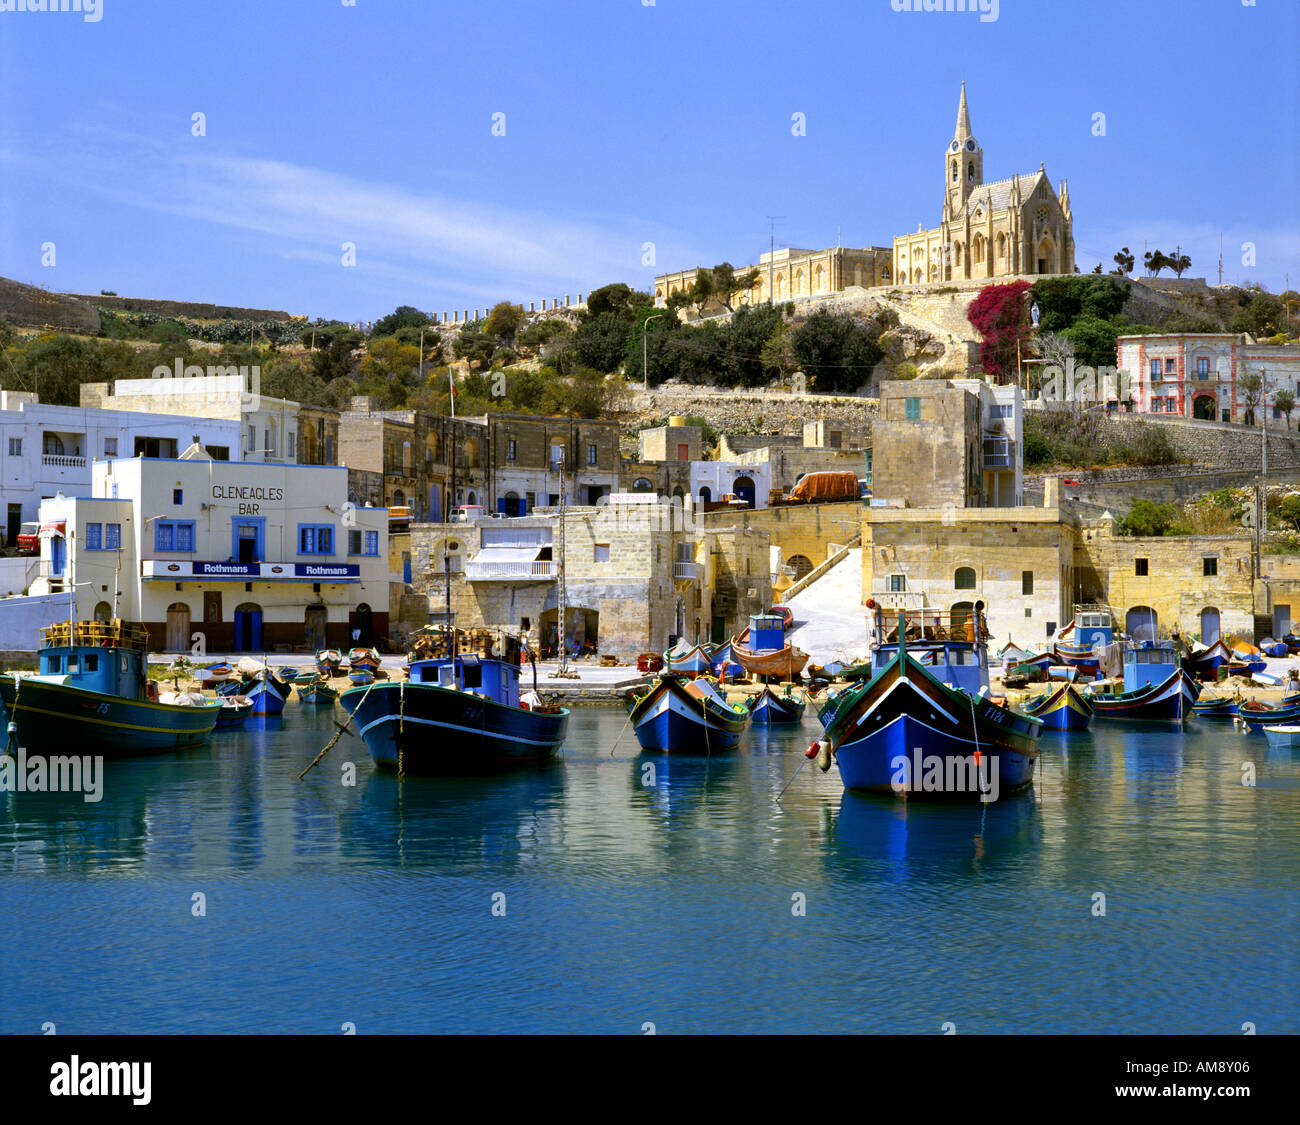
(1004, 228)
(988, 230)
(1195, 375)
(674, 442)
(948, 442)
(524, 452)
(637, 572)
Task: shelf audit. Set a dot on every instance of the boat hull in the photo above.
(267, 700)
(1061, 709)
(427, 729)
(787, 662)
(671, 720)
(1215, 708)
(770, 709)
(61, 719)
(1257, 717)
(1169, 701)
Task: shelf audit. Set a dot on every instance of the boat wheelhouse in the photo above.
(950, 643)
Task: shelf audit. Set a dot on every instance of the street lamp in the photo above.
(645, 370)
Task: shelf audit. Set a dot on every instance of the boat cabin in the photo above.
(1093, 625)
(949, 643)
(99, 656)
(478, 673)
(766, 632)
(1150, 662)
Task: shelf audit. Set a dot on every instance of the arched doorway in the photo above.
(744, 488)
(248, 627)
(1209, 625)
(362, 628)
(1046, 255)
(103, 612)
(399, 498)
(1141, 623)
(802, 565)
(178, 627)
(435, 504)
(511, 505)
(316, 627)
(472, 498)
(961, 615)
(642, 484)
(705, 495)
(678, 494)
(1203, 407)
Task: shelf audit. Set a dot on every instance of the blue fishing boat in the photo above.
(92, 695)
(1205, 664)
(328, 661)
(234, 710)
(315, 692)
(1215, 707)
(1257, 715)
(769, 707)
(1062, 708)
(920, 730)
(363, 658)
(1155, 686)
(458, 714)
(361, 676)
(683, 716)
(230, 687)
(268, 693)
(1092, 627)
(215, 673)
(723, 663)
(688, 660)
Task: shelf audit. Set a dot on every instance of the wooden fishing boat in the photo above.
(359, 658)
(328, 661)
(362, 676)
(288, 673)
(215, 673)
(1216, 707)
(268, 693)
(1062, 708)
(908, 732)
(1205, 664)
(768, 707)
(234, 710)
(686, 716)
(316, 692)
(1011, 653)
(1283, 736)
(92, 695)
(762, 649)
(691, 660)
(459, 714)
(1256, 715)
(1170, 700)
(723, 663)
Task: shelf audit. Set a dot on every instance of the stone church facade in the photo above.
(1001, 229)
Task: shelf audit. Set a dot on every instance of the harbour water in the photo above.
(643, 889)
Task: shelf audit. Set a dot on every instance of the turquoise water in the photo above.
(673, 903)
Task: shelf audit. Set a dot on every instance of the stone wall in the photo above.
(1115, 490)
(190, 310)
(30, 307)
(747, 411)
(808, 530)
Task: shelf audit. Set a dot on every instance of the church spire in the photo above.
(963, 116)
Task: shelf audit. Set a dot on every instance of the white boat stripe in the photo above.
(454, 726)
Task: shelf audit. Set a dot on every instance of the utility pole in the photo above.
(1263, 454)
(1220, 257)
(560, 593)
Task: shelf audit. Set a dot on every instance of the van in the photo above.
(466, 513)
(29, 540)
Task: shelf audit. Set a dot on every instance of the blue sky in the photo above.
(625, 123)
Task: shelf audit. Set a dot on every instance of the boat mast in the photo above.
(562, 632)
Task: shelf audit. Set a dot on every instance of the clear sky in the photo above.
(626, 122)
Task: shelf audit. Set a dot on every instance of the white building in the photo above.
(255, 558)
(1002, 420)
(269, 427)
(712, 480)
(49, 449)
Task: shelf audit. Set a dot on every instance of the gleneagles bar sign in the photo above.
(243, 572)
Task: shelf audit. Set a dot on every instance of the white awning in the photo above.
(507, 555)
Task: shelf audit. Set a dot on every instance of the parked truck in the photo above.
(820, 488)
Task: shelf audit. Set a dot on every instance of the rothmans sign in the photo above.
(179, 570)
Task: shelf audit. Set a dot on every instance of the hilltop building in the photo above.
(1004, 228)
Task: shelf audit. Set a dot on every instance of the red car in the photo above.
(784, 613)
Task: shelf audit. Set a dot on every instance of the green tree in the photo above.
(1179, 263)
(1147, 518)
(56, 366)
(1093, 341)
(1250, 389)
(475, 344)
(777, 354)
(1154, 261)
(404, 316)
(504, 321)
(1261, 317)
(1289, 510)
(836, 351)
(1284, 400)
(601, 342)
(1124, 262)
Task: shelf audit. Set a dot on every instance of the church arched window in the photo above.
(970, 171)
(954, 171)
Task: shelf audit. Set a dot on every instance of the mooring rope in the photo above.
(339, 733)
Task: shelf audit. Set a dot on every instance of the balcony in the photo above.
(895, 600)
(58, 461)
(686, 571)
(998, 454)
(499, 571)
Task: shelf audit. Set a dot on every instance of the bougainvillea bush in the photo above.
(1000, 316)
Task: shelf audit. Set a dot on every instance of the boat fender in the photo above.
(824, 755)
(812, 750)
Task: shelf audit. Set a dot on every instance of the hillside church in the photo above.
(986, 230)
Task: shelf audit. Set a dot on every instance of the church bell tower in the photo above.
(963, 163)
